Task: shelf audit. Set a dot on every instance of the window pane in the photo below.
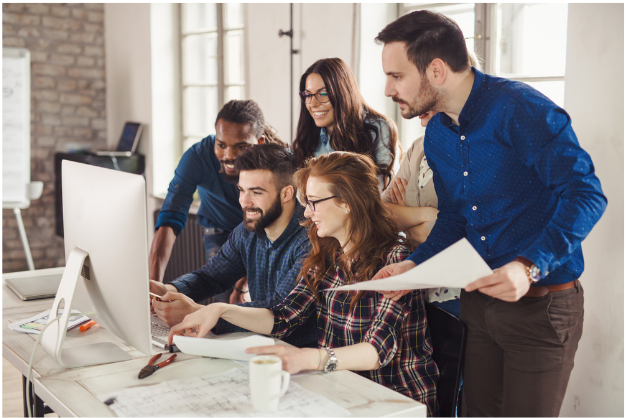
(234, 51)
(200, 59)
(531, 39)
(234, 93)
(554, 90)
(233, 16)
(200, 108)
(199, 17)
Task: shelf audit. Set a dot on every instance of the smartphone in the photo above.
(154, 295)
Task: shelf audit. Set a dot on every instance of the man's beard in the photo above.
(266, 219)
(425, 102)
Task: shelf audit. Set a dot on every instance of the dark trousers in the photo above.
(519, 355)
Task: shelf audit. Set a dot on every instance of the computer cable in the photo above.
(32, 358)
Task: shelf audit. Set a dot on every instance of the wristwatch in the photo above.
(533, 273)
(332, 362)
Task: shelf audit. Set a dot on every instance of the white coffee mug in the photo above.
(268, 382)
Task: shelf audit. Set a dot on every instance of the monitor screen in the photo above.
(130, 136)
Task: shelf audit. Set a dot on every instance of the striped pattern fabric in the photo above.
(397, 330)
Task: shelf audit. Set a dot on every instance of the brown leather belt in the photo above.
(539, 291)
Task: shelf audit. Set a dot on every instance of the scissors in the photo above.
(150, 369)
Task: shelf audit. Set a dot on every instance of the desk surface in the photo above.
(72, 392)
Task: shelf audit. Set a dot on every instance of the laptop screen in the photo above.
(129, 136)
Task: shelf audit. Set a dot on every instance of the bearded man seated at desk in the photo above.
(268, 247)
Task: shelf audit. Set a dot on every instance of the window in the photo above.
(524, 42)
(212, 64)
(532, 46)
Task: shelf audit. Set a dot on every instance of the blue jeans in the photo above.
(214, 239)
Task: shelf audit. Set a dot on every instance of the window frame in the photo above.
(222, 85)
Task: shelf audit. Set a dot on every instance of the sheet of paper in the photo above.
(223, 394)
(228, 346)
(457, 266)
(35, 324)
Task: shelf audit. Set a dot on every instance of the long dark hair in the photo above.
(371, 229)
(248, 112)
(354, 126)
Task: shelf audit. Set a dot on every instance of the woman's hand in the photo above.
(294, 359)
(199, 323)
(397, 193)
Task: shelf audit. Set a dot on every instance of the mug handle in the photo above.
(285, 383)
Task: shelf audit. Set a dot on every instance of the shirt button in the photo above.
(482, 238)
(462, 137)
(465, 173)
(474, 208)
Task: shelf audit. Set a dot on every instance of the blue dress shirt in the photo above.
(513, 180)
(199, 168)
(272, 269)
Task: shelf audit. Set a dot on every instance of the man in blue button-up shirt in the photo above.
(511, 177)
(268, 247)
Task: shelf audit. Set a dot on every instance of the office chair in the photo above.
(448, 335)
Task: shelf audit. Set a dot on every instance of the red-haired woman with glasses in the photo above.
(352, 237)
(335, 117)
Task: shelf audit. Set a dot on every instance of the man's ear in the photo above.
(261, 140)
(287, 194)
(437, 72)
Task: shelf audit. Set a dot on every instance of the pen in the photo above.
(87, 325)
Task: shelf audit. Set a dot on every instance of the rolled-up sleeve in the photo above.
(187, 176)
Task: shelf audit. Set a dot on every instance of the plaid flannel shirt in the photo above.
(397, 330)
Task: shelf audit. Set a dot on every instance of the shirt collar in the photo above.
(292, 226)
(324, 136)
(472, 105)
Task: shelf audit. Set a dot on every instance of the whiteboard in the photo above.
(15, 127)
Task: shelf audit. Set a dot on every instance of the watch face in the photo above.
(534, 271)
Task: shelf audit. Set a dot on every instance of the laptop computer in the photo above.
(128, 141)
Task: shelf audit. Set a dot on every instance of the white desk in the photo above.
(72, 392)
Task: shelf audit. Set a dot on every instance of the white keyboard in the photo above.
(159, 333)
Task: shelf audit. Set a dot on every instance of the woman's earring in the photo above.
(347, 210)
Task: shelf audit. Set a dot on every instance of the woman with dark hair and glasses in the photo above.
(352, 237)
(335, 117)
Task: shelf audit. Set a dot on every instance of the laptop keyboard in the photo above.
(159, 332)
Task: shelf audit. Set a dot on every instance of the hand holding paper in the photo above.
(457, 266)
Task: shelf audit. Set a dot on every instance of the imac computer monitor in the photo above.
(106, 250)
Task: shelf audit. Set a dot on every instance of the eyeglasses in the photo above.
(311, 204)
(321, 97)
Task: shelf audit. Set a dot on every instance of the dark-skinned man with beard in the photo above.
(208, 166)
(268, 247)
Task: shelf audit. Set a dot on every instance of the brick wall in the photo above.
(66, 42)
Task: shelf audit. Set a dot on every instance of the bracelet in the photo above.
(319, 358)
(240, 290)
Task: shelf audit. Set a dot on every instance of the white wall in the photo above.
(594, 99)
(128, 75)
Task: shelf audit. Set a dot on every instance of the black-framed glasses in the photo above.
(321, 97)
(311, 204)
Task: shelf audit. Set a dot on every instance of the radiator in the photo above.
(188, 253)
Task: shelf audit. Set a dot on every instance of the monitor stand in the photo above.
(54, 336)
